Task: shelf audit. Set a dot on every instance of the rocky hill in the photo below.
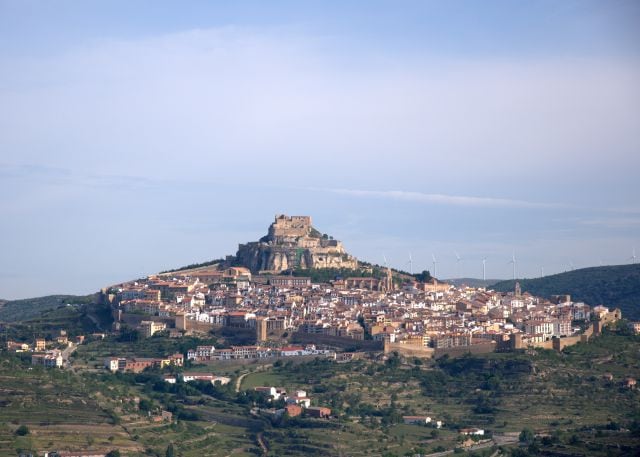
(293, 243)
(614, 286)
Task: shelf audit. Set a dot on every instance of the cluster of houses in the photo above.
(138, 364)
(189, 377)
(208, 353)
(46, 353)
(49, 359)
(431, 315)
(422, 420)
(295, 405)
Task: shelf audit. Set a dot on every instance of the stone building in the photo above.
(293, 243)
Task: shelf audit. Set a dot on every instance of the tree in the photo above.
(22, 430)
(170, 452)
(527, 436)
(425, 276)
(114, 453)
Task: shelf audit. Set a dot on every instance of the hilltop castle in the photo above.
(293, 243)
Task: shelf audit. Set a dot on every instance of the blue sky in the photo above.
(138, 136)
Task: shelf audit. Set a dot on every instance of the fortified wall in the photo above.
(293, 243)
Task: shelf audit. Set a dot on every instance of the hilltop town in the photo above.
(293, 333)
(376, 308)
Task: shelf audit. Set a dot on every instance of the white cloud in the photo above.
(612, 222)
(273, 102)
(419, 197)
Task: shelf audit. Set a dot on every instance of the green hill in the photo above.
(614, 286)
(471, 282)
(19, 310)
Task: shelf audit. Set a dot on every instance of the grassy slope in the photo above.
(19, 310)
(550, 392)
(616, 286)
(75, 319)
(70, 411)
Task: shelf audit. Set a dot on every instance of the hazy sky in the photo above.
(136, 136)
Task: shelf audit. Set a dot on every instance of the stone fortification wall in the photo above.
(414, 350)
(409, 350)
(608, 318)
(541, 344)
(336, 341)
(133, 320)
(458, 351)
(292, 243)
(290, 227)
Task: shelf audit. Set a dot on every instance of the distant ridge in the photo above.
(471, 282)
(614, 286)
(29, 308)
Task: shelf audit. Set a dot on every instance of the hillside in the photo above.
(471, 282)
(18, 310)
(563, 396)
(616, 286)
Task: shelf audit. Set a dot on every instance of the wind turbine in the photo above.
(542, 272)
(435, 265)
(385, 261)
(410, 264)
(570, 265)
(458, 259)
(633, 255)
(513, 261)
(484, 269)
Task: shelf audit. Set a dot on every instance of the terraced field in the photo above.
(565, 398)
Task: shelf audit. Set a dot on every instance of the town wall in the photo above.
(133, 320)
(199, 327)
(608, 318)
(336, 341)
(541, 344)
(409, 350)
(475, 348)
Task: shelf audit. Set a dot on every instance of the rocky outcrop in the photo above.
(293, 243)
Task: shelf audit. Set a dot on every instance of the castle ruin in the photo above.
(293, 243)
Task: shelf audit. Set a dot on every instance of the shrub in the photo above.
(22, 430)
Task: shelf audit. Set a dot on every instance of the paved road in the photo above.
(263, 446)
(66, 353)
(241, 377)
(239, 381)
